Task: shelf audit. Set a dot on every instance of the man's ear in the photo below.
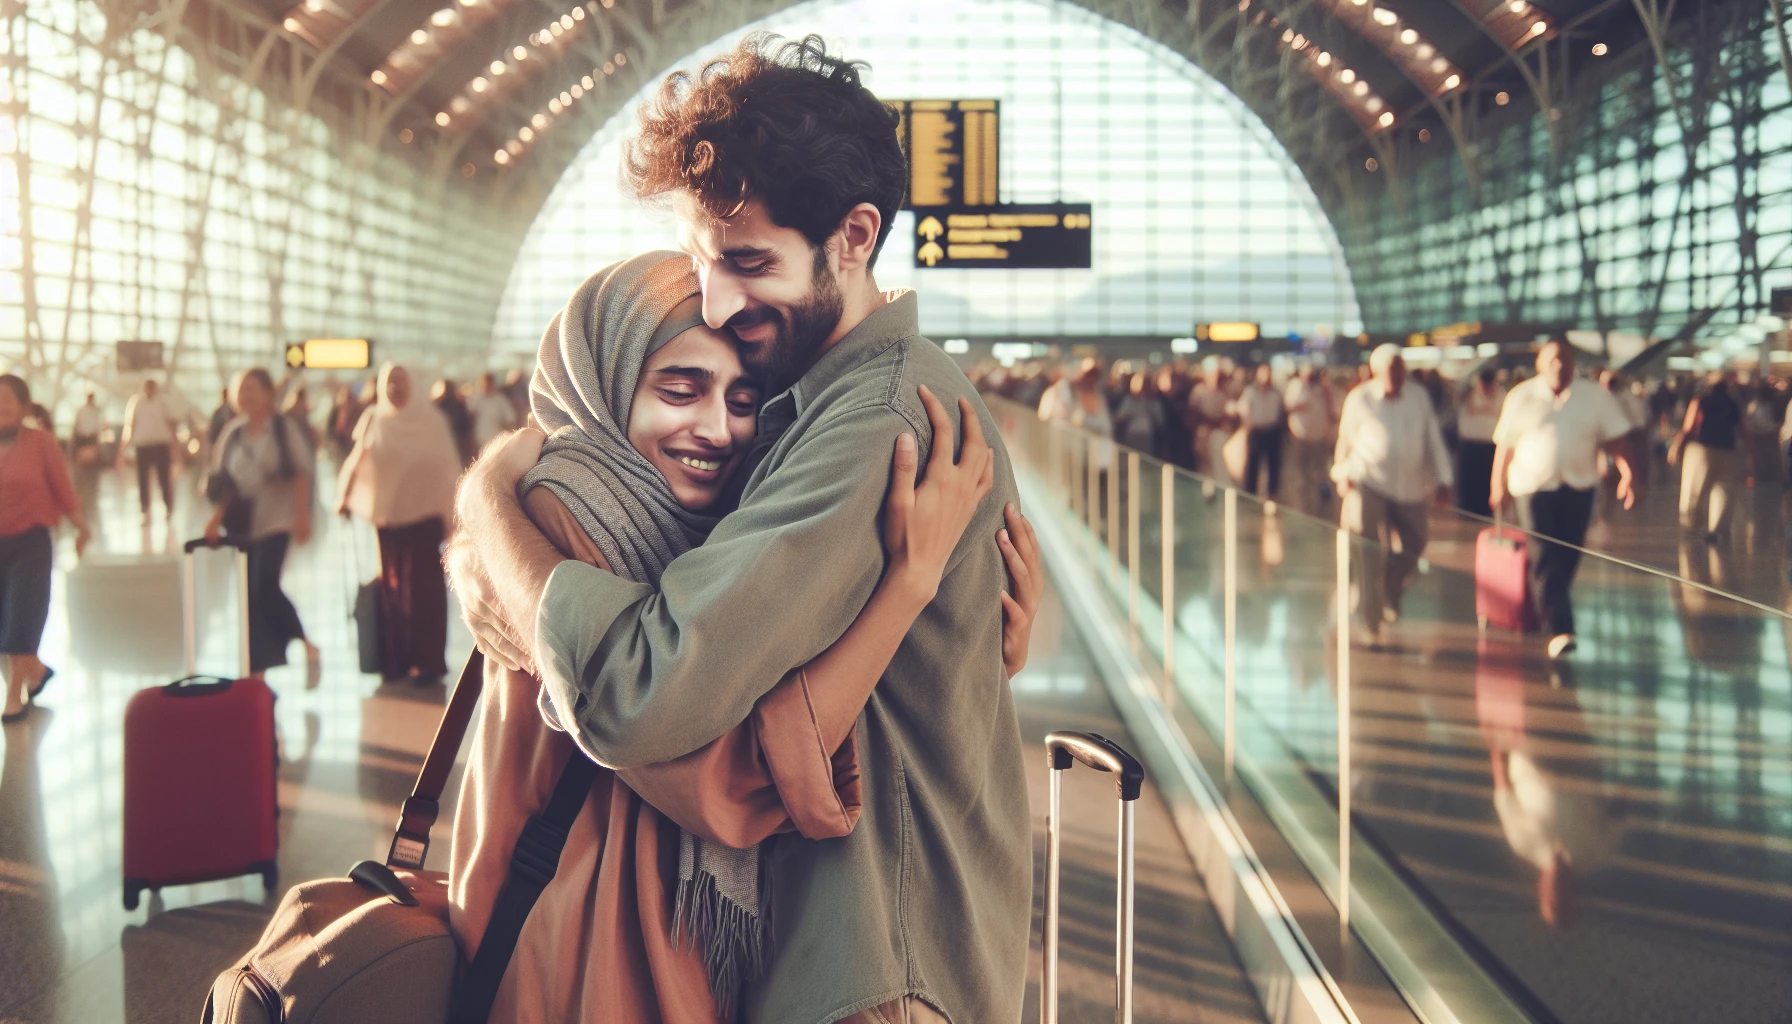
(856, 238)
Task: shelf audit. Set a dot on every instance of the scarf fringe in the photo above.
(734, 943)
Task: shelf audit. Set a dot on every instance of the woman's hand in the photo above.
(214, 527)
(301, 524)
(922, 525)
(1026, 576)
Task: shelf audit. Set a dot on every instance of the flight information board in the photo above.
(954, 151)
(1010, 236)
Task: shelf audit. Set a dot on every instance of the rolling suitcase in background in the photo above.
(1102, 754)
(199, 768)
(1502, 580)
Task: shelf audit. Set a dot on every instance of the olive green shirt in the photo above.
(931, 893)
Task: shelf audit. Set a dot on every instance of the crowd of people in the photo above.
(1377, 444)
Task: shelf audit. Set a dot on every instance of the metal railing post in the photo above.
(1168, 513)
(1113, 522)
(1343, 602)
(1231, 584)
(1133, 516)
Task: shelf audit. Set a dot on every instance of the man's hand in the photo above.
(1496, 492)
(1020, 549)
(479, 608)
(497, 470)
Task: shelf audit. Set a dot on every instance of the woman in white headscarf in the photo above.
(400, 476)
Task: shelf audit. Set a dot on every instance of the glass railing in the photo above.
(1606, 836)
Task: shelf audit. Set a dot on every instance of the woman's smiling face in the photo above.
(693, 414)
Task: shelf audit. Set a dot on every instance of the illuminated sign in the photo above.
(954, 151)
(331, 354)
(1013, 235)
(1226, 332)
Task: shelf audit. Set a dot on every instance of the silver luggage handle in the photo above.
(189, 598)
(1061, 750)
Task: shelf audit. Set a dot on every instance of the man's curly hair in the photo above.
(778, 121)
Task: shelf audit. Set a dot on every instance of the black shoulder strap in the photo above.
(287, 469)
(532, 866)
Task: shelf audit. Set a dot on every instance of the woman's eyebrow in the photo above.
(695, 374)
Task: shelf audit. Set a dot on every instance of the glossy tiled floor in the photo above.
(69, 952)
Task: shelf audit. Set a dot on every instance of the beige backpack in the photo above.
(376, 946)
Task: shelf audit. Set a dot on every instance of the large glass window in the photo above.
(1199, 214)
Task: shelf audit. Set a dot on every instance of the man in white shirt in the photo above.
(1311, 407)
(1548, 437)
(149, 433)
(1259, 410)
(1207, 411)
(492, 411)
(1390, 459)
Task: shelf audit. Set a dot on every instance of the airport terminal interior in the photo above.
(1400, 393)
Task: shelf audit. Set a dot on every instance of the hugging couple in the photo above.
(716, 575)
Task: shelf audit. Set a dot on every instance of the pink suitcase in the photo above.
(1502, 592)
(199, 774)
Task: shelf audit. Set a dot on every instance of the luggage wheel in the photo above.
(270, 875)
(133, 892)
(1481, 622)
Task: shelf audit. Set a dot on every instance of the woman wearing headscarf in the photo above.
(656, 912)
(35, 485)
(400, 477)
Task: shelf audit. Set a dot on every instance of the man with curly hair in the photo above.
(785, 173)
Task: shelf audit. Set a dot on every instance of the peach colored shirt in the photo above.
(597, 945)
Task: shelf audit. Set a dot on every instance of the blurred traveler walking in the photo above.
(1475, 420)
(1139, 421)
(38, 493)
(1259, 409)
(1178, 444)
(262, 471)
(447, 399)
(221, 417)
(1549, 436)
(1712, 454)
(1390, 458)
(492, 411)
(400, 477)
(1210, 424)
(1078, 400)
(1311, 417)
(149, 432)
(84, 452)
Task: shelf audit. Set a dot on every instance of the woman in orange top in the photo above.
(38, 495)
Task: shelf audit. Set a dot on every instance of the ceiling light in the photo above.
(1347, 76)
(460, 104)
(578, 14)
(622, 60)
(314, 6)
(1287, 35)
(554, 104)
(577, 90)
(480, 84)
(1387, 118)
(1518, 6)
(1453, 81)
(442, 118)
(566, 21)
(539, 122)
(1440, 65)
(1361, 88)
(1325, 59)
(554, 29)
(1372, 165)
(1408, 36)
(1383, 16)
(1373, 103)
(587, 82)
(1359, 3)
(501, 157)
(406, 135)
(1300, 41)
(1424, 135)
(566, 99)
(292, 24)
(1539, 28)
(419, 37)
(1599, 50)
(525, 134)
(468, 170)
(520, 53)
(443, 18)
(378, 77)
(609, 68)
(513, 147)
(1425, 50)
(499, 67)
(469, 3)
(1502, 98)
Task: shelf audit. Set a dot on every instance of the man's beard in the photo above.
(778, 363)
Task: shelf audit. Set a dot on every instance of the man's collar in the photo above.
(898, 318)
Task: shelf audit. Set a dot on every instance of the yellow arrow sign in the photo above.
(295, 356)
(931, 228)
(931, 252)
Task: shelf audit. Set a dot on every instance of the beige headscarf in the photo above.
(404, 464)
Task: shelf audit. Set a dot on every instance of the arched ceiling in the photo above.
(508, 91)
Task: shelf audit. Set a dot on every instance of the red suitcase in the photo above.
(1502, 589)
(199, 770)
